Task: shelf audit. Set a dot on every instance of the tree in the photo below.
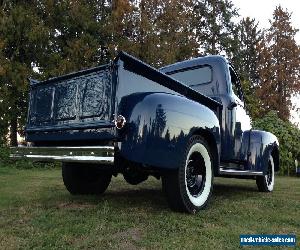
(278, 65)
(123, 24)
(214, 26)
(78, 38)
(288, 136)
(245, 60)
(172, 28)
(156, 31)
(23, 38)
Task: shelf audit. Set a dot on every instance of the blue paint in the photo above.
(160, 125)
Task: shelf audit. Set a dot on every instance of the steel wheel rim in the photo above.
(195, 175)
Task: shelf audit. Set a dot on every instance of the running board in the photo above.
(227, 171)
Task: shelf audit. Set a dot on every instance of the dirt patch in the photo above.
(9, 242)
(131, 233)
(75, 206)
(128, 237)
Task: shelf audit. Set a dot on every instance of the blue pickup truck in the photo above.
(184, 123)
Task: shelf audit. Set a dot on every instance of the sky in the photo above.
(262, 11)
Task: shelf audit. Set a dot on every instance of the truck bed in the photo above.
(80, 106)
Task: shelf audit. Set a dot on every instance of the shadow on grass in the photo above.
(133, 197)
(5, 171)
(233, 190)
(127, 198)
(153, 197)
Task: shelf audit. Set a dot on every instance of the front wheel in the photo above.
(265, 183)
(189, 188)
(84, 179)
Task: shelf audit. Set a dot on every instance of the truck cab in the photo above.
(216, 78)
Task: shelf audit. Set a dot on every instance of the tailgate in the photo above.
(77, 101)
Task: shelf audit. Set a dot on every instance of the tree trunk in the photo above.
(14, 132)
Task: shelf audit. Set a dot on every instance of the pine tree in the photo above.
(156, 31)
(214, 26)
(245, 60)
(78, 38)
(279, 65)
(122, 24)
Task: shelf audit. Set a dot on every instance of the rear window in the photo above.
(193, 76)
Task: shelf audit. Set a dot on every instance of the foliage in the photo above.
(245, 61)
(6, 161)
(249, 36)
(22, 164)
(78, 38)
(279, 58)
(22, 39)
(158, 32)
(288, 136)
(214, 26)
(4, 155)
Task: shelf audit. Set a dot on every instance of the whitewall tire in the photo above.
(189, 188)
(266, 182)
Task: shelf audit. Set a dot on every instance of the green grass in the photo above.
(37, 212)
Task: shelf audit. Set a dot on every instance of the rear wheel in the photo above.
(265, 183)
(84, 179)
(189, 188)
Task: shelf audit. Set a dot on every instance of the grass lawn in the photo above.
(36, 211)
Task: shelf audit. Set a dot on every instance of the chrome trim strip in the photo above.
(95, 154)
(90, 125)
(224, 171)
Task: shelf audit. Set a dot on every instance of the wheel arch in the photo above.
(275, 155)
(213, 146)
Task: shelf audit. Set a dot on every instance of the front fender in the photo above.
(159, 126)
(256, 148)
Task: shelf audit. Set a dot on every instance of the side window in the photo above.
(236, 86)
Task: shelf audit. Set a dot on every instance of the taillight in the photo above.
(120, 122)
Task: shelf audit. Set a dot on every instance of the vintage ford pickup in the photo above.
(184, 123)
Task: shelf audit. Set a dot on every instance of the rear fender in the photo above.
(159, 126)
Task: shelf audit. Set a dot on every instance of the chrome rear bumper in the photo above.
(96, 154)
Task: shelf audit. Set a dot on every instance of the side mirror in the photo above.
(232, 105)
